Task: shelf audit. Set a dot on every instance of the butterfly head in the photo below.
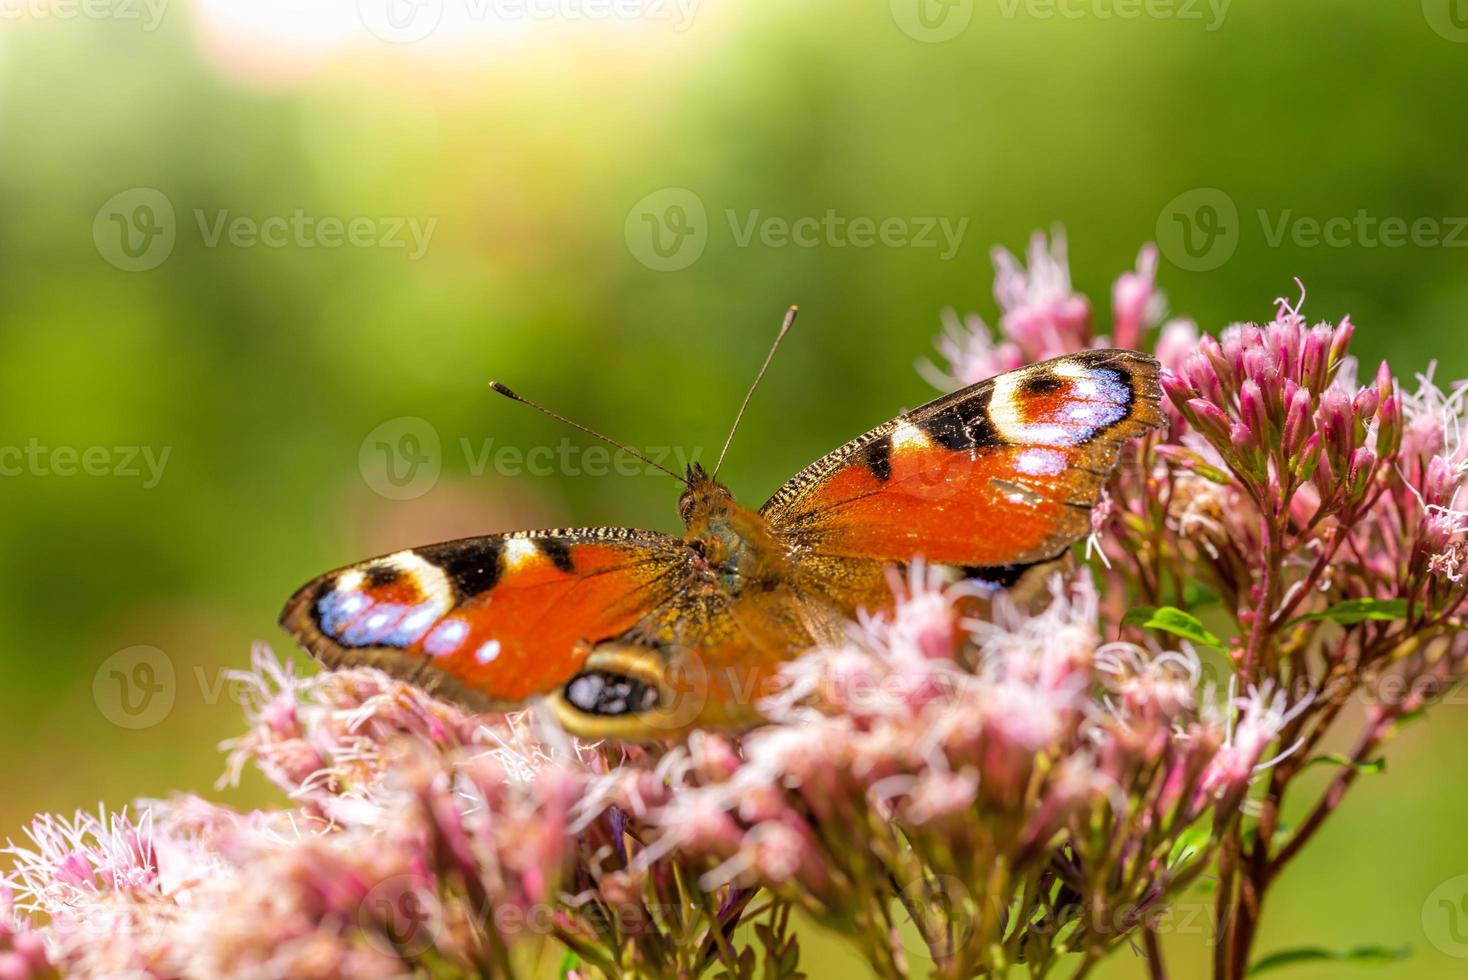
(705, 498)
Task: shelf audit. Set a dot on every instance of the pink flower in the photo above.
(1042, 316)
(1136, 305)
(1259, 719)
(971, 352)
(1042, 313)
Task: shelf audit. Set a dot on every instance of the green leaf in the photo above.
(1170, 619)
(1188, 843)
(569, 962)
(1353, 611)
(1372, 766)
(1197, 594)
(1316, 954)
(1410, 718)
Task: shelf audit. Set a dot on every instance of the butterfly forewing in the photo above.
(1000, 474)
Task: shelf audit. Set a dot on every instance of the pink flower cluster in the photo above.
(942, 770)
(1318, 522)
(898, 772)
(416, 825)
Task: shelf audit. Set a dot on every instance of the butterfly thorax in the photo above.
(734, 542)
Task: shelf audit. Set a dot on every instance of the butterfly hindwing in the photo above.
(491, 620)
(999, 475)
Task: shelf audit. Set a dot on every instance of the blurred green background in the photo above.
(148, 305)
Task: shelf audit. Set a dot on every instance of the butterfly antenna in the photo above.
(784, 329)
(517, 397)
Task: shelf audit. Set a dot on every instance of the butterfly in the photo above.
(640, 636)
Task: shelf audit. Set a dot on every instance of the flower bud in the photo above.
(1385, 383)
(1439, 483)
(1297, 422)
(1176, 389)
(1186, 459)
(1254, 412)
(1389, 425)
(1321, 473)
(1363, 461)
(1340, 341)
(1178, 340)
(1210, 421)
(1314, 359)
(1337, 423)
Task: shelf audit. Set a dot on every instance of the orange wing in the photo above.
(489, 621)
(1001, 474)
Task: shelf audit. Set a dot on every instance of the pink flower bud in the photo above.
(1338, 424)
(1340, 342)
(1176, 389)
(1178, 340)
(1315, 359)
(1364, 404)
(1389, 425)
(1259, 366)
(1322, 472)
(1385, 383)
(1439, 482)
(1210, 421)
(1253, 411)
(1363, 461)
(1297, 422)
(1132, 300)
